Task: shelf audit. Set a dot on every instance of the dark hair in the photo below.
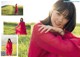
(61, 6)
(9, 40)
(21, 19)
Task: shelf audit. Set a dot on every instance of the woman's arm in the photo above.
(48, 28)
(51, 43)
(18, 27)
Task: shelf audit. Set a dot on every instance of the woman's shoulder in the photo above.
(21, 23)
(36, 26)
(36, 30)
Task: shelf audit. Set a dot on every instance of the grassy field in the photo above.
(24, 40)
(14, 52)
(9, 10)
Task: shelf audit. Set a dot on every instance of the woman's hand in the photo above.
(47, 28)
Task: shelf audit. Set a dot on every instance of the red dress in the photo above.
(53, 45)
(16, 9)
(21, 28)
(9, 48)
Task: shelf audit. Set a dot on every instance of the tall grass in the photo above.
(10, 9)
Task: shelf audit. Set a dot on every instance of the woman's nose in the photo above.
(60, 19)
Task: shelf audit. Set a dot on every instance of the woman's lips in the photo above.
(57, 23)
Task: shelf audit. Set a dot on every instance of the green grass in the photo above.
(10, 9)
(14, 52)
(24, 40)
(23, 45)
(7, 10)
(76, 31)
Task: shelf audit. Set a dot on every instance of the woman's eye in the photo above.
(58, 14)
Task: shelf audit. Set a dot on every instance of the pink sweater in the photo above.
(51, 45)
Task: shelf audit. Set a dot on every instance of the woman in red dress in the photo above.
(21, 28)
(16, 9)
(9, 47)
(52, 37)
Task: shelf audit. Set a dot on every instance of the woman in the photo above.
(9, 47)
(16, 9)
(52, 37)
(21, 28)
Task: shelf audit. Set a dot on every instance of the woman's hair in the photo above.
(61, 6)
(9, 40)
(21, 19)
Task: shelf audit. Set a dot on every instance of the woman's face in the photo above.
(58, 19)
(21, 20)
(9, 40)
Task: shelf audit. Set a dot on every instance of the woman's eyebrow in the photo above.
(59, 12)
(65, 13)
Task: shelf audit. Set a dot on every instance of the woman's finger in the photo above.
(41, 27)
(47, 30)
(44, 29)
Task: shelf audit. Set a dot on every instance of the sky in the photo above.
(35, 10)
(5, 38)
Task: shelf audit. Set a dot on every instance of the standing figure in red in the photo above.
(21, 28)
(16, 9)
(9, 47)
